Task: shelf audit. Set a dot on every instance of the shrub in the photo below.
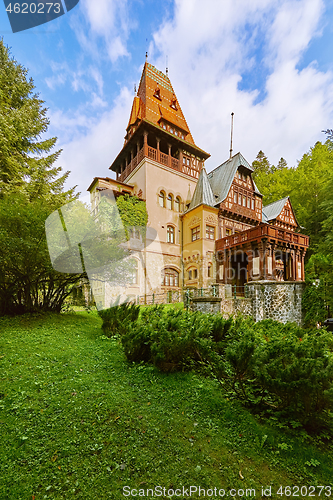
(282, 367)
(297, 372)
(170, 339)
(116, 320)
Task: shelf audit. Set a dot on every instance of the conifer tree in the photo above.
(30, 189)
(26, 160)
(261, 164)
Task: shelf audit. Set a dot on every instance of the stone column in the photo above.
(137, 148)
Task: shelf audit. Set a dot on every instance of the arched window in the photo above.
(193, 273)
(170, 234)
(210, 269)
(161, 198)
(169, 201)
(177, 204)
(170, 277)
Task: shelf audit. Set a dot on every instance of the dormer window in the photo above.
(157, 93)
(173, 104)
(171, 130)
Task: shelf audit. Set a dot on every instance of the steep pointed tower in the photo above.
(160, 162)
(157, 130)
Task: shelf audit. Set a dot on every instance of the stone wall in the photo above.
(206, 304)
(280, 301)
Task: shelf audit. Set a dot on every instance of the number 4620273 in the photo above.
(34, 8)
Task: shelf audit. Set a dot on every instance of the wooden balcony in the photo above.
(263, 231)
(159, 157)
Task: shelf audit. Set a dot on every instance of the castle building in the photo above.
(211, 227)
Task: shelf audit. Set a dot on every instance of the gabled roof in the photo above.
(136, 112)
(273, 210)
(203, 194)
(221, 178)
(156, 100)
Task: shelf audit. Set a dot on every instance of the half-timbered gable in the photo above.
(280, 214)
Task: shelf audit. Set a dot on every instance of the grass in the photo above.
(79, 422)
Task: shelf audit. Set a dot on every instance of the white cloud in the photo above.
(295, 24)
(211, 45)
(86, 78)
(89, 154)
(107, 20)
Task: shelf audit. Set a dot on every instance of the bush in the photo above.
(278, 366)
(117, 319)
(170, 339)
(297, 372)
(283, 368)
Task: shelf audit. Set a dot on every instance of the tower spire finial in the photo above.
(146, 56)
(167, 69)
(232, 130)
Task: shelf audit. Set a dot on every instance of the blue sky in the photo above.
(268, 61)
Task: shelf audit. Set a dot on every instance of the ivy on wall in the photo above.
(133, 212)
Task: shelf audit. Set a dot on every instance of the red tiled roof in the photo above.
(156, 101)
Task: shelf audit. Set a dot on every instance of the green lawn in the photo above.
(78, 422)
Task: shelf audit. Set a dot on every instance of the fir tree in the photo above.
(26, 161)
(261, 164)
(30, 189)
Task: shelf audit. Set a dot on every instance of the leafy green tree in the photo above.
(310, 190)
(310, 187)
(28, 283)
(276, 184)
(307, 187)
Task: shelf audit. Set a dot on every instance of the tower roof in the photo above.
(203, 194)
(156, 102)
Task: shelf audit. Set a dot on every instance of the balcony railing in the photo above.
(159, 157)
(260, 232)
